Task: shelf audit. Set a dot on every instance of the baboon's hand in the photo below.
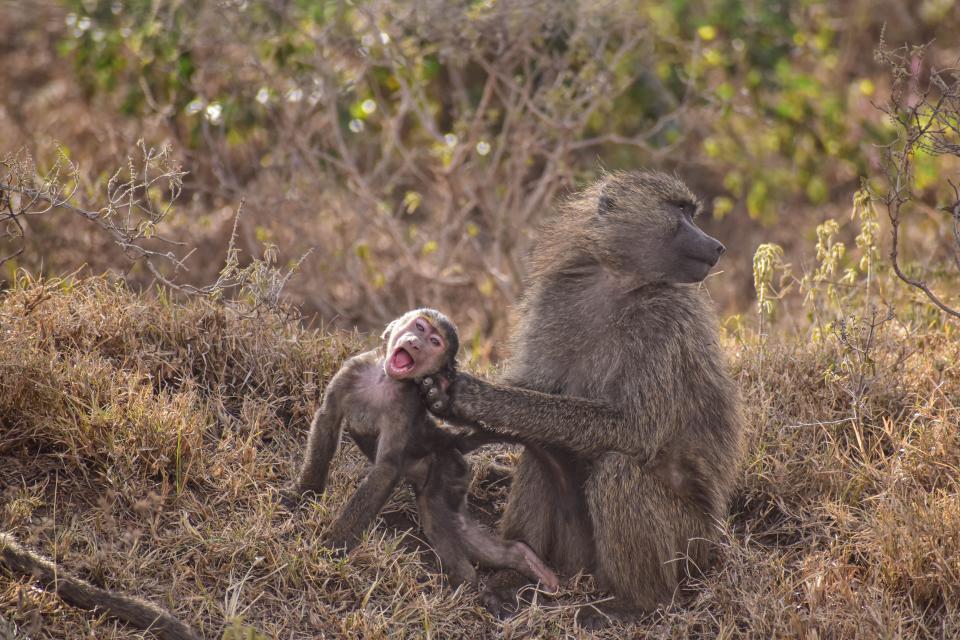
(436, 391)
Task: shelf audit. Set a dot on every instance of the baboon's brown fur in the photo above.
(619, 389)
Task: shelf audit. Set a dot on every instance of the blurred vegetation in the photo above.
(415, 146)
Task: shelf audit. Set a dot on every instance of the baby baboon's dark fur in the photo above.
(380, 408)
(82, 594)
(619, 389)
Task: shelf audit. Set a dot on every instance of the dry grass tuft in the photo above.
(143, 442)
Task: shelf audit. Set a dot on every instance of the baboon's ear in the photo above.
(605, 204)
(385, 336)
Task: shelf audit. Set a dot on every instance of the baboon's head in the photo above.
(644, 224)
(419, 343)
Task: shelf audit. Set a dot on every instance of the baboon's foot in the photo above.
(290, 498)
(501, 596)
(601, 616)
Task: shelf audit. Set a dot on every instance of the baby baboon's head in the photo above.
(419, 343)
(644, 224)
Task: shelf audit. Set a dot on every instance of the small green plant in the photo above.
(767, 260)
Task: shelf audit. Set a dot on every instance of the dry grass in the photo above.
(143, 442)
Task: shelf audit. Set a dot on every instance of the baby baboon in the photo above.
(619, 390)
(82, 594)
(374, 398)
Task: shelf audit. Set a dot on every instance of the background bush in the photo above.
(415, 146)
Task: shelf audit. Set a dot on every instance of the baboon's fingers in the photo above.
(433, 394)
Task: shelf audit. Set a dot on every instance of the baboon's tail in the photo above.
(82, 594)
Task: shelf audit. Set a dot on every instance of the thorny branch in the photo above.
(927, 116)
(134, 210)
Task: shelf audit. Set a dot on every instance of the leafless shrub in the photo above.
(924, 107)
(137, 200)
(409, 194)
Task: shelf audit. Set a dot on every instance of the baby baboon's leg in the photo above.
(440, 524)
(365, 504)
(494, 552)
(440, 492)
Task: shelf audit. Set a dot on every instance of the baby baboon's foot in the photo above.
(538, 570)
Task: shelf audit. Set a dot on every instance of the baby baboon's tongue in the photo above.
(402, 360)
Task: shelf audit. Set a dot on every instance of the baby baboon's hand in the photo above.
(435, 391)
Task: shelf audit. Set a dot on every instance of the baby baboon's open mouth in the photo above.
(401, 361)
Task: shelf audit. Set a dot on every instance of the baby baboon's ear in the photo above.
(385, 336)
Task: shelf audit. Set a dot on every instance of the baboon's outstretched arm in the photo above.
(588, 427)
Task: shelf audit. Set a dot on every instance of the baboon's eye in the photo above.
(435, 341)
(420, 327)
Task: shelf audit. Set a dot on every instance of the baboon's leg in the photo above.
(321, 444)
(365, 504)
(494, 552)
(548, 512)
(443, 531)
(647, 544)
(544, 512)
(441, 491)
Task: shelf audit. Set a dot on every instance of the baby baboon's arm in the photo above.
(588, 427)
(324, 438)
(364, 505)
(374, 491)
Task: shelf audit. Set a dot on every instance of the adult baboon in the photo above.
(619, 390)
(374, 398)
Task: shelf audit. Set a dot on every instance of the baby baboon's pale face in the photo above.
(415, 348)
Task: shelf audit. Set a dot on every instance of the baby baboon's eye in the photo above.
(420, 327)
(435, 341)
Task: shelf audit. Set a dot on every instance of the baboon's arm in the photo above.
(364, 505)
(323, 440)
(375, 489)
(588, 427)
